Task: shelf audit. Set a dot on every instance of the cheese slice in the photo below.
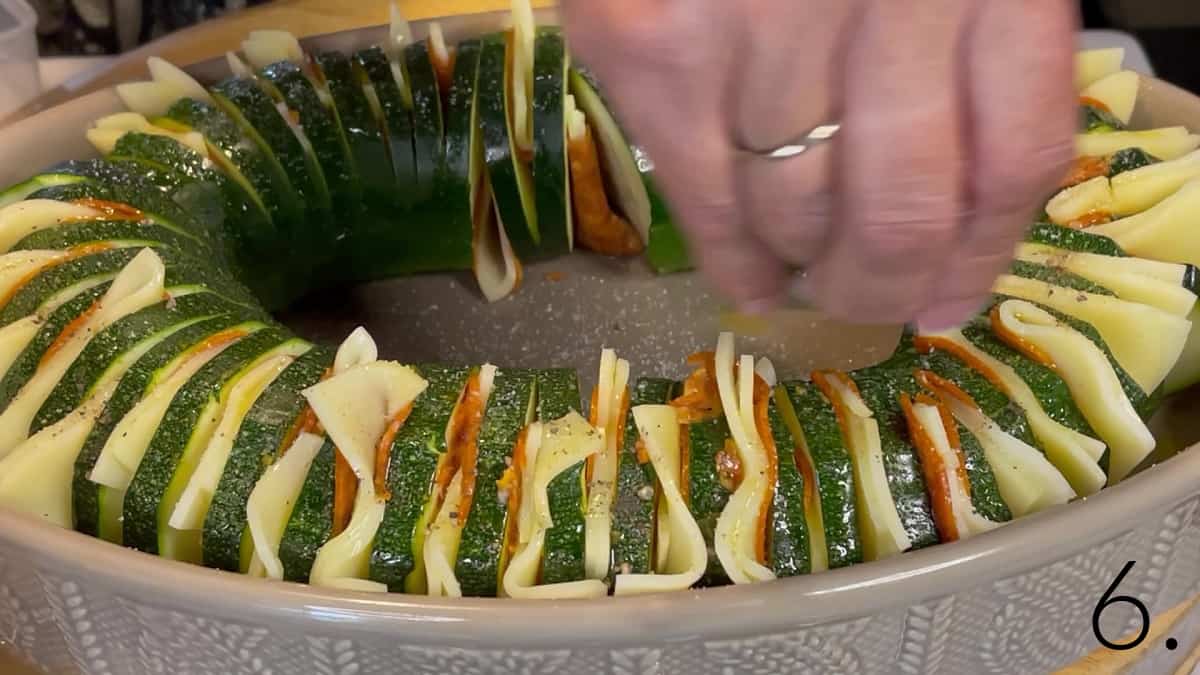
(441, 545)
(126, 445)
(1117, 91)
(36, 477)
(1145, 340)
(1187, 369)
(139, 285)
(610, 389)
(1141, 188)
(1150, 282)
(882, 530)
(172, 75)
(687, 557)
(497, 269)
(1094, 64)
(1074, 454)
(355, 408)
(967, 520)
(445, 530)
(563, 444)
(1163, 232)
(21, 219)
(1074, 202)
(15, 337)
(736, 534)
(1093, 383)
(1164, 143)
(1027, 481)
(357, 349)
(190, 511)
(271, 502)
(264, 47)
(109, 130)
(18, 266)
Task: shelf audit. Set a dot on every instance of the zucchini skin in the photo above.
(427, 124)
(1072, 239)
(1128, 160)
(311, 522)
(479, 552)
(156, 471)
(833, 470)
(1057, 276)
(881, 386)
(85, 494)
(788, 543)
(112, 342)
(324, 132)
(550, 164)
(706, 495)
(372, 66)
(563, 552)
(259, 442)
(26, 364)
(412, 464)
(634, 516)
(30, 296)
(498, 147)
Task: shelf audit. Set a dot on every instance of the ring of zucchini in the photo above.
(148, 398)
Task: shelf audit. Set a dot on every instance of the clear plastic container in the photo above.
(19, 80)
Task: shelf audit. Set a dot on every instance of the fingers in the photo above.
(788, 202)
(676, 50)
(902, 155)
(1022, 103)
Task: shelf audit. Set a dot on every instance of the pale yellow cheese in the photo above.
(497, 270)
(968, 522)
(687, 557)
(1094, 64)
(1027, 481)
(1074, 454)
(109, 130)
(264, 47)
(1164, 143)
(614, 378)
(21, 219)
(1094, 385)
(562, 444)
(1145, 340)
(1150, 282)
(1117, 91)
(139, 285)
(272, 500)
(1077, 201)
(15, 337)
(1163, 232)
(735, 537)
(1141, 188)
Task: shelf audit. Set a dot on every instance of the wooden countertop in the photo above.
(310, 17)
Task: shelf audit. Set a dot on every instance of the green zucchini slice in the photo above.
(563, 551)
(707, 493)
(789, 549)
(173, 451)
(510, 407)
(511, 179)
(427, 125)
(397, 558)
(260, 440)
(381, 80)
(311, 522)
(635, 509)
(551, 167)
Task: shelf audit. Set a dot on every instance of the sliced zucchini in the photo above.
(310, 523)
(706, 495)
(427, 127)
(563, 551)
(1084, 241)
(261, 439)
(551, 167)
(176, 446)
(789, 542)
(510, 408)
(509, 173)
(397, 558)
(388, 96)
(154, 367)
(637, 493)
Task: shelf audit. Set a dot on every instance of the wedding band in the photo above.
(817, 136)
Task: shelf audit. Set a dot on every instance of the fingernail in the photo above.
(946, 316)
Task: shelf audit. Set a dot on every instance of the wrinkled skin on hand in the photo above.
(957, 121)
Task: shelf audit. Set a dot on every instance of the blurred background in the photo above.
(61, 41)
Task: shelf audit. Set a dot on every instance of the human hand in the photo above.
(957, 117)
